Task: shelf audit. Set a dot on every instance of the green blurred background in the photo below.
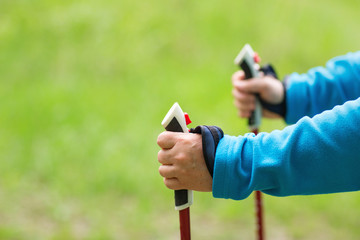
(84, 86)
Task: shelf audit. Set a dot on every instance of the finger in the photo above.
(172, 183)
(167, 171)
(244, 114)
(165, 157)
(244, 107)
(250, 86)
(243, 97)
(237, 76)
(167, 139)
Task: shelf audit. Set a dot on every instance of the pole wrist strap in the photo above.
(279, 108)
(211, 136)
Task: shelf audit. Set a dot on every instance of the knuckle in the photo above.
(166, 182)
(183, 142)
(234, 92)
(244, 114)
(161, 171)
(237, 103)
(161, 156)
(181, 157)
(237, 75)
(237, 94)
(169, 183)
(234, 76)
(160, 139)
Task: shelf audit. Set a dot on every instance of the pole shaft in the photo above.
(259, 216)
(184, 217)
(259, 209)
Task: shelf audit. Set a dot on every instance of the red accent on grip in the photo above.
(187, 119)
(257, 58)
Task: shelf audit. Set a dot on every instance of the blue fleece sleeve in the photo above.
(322, 88)
(316, 155)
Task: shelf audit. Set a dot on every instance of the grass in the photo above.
(84, 86)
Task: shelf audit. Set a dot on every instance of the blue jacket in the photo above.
(320, 153)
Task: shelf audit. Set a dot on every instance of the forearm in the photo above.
(316, 155)
(322, 88)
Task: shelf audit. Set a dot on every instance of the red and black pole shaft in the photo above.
(259, 209)
(248, 61)
(184, 218)
(176, 121)
(184, 212)
(259, 216)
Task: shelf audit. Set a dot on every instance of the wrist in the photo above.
(279, 108)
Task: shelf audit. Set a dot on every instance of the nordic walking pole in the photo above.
(176, 121)
(247, 60)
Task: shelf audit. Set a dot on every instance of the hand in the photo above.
(183, 165)
(269, 89)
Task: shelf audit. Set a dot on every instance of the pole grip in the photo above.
(245, 60)
(174, 121)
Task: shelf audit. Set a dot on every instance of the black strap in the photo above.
(211, 136)
(279, 108)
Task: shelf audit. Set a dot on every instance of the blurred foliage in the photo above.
(84, 86)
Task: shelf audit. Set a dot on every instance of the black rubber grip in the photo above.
(174, 126)
(248, 74)
(181, 196)
(246, 68)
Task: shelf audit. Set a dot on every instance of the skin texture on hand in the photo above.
(183, 165)
(269, 89)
